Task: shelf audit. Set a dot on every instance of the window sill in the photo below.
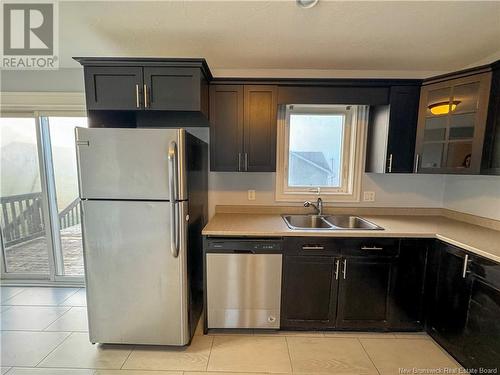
(327, 198)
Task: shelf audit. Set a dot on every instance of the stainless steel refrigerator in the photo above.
(144, 204)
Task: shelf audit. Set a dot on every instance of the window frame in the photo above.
(353, 151)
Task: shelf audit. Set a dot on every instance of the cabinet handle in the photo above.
(344, 271)
(466, 261)
(246, 162)
(390, 163)
(145, 96)
(137, 99)
(337, 267)
(417, 160)
(313, 247)
(371, 248)
(239, 161)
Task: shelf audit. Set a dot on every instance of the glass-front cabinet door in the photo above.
(452, 118)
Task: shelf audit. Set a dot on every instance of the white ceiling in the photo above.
(278, 38)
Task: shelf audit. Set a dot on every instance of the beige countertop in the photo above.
(474, 238)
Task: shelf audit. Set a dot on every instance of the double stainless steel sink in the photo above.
(328, 222)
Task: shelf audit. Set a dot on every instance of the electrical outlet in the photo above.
(369, 196)
(251, 195)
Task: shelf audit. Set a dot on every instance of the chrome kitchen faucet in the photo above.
(318, 206)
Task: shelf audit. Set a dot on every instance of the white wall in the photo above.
(476, 195)
(390, 190)
(61, 80)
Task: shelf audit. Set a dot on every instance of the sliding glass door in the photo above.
(67, 202)
(40, 208)
(23, 215)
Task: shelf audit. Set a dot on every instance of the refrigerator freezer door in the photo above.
(137, 291)
(127, 163)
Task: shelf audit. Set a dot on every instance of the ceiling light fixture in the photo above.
(442, 108)
(306, 4)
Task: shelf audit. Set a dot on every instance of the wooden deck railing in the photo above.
(70, 215)
(21, 217)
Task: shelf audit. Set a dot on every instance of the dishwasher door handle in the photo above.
(313, 247)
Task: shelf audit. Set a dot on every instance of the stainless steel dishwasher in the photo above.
(243, 283)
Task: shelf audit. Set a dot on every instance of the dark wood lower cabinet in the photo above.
(464, 319)
(395, 285)
(309, 292)
(348, 287)
(364, 290)
(407, 299)
(451, 302)
(481, 338)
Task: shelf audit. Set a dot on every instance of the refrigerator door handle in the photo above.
(172, 179)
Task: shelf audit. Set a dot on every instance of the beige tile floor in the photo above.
(44, 332)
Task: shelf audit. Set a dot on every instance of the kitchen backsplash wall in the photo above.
(476, 195)
(390, 190)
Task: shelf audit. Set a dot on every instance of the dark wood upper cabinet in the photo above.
(259, 130)
(243, 128)
(174, 89)
(118, 88)
(451, 123)
(338, 92)
(226, 127)
(155, 91)
(392, 131)
(402, 128)
(491, 149)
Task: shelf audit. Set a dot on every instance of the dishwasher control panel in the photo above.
(213, 245)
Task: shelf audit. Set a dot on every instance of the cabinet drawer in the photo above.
(485, 269)
(311, 246)
(377, 247)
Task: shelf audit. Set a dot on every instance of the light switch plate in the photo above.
(251, 195)
(369, 196)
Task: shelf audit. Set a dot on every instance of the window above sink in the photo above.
(320, 152)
